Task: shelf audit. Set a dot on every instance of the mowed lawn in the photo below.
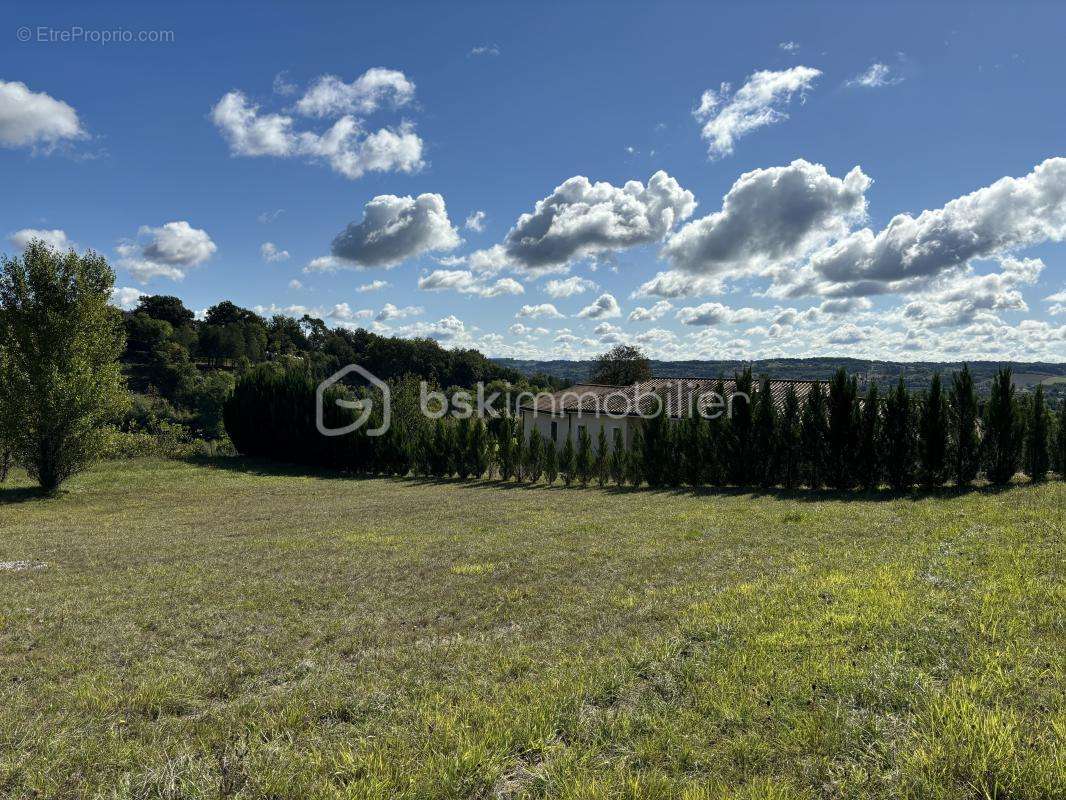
(230, 630)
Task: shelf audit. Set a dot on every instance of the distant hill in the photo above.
(916, 374)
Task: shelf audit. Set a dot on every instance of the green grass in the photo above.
(216, 631)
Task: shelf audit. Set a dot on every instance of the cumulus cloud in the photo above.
(295, 284)
(390, 311)
(717, 314)
(475, 222)
(844, 305)
(347, 146)
(568, 287)
(770, 217)
(910, 251)
(447, 329)
(373, 286)
(126, 297)
(581, 219)
(727, 116)
(848, 333)
(485, 50)
(518, 329)
(673, 284)
(35, 119)
(540, 311)
(467, 282)
(54, 238)
(270, 252)
(330, 96)
(789, 47)
(393, 230)
(959, 299)
(603, 307)
(167, 251)
(876, 76)
(642, 314)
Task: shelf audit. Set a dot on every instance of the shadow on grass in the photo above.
(255, 466)
(24, 494)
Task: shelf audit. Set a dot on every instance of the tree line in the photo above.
(833, 438)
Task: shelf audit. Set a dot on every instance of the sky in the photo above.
(549, 180)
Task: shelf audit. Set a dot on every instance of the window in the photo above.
(555, 431)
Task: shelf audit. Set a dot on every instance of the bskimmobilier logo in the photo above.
(365, 405)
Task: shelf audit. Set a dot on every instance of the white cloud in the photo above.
(726, 117)
(844, 305)
(642, 314)
(485, 50)
(54, 238)
(35, 119)
(581, 219)
(447, 329)
(540, 311)
(518, 329)
(467, 282)
(346, 145)
(330, 96)
(848, 333)
(126, 297)
(295, 284)
(568, 287)
(373, 286)
(475, 222)
(389, 312)
(910, 251)
(770, 217)
(395, 229)
(673, 284)
(603, 307)
(266, 217)
(717, 314)
(283, 86)
(167, 251)
(789, 47)
(270, 252)
(876, 76)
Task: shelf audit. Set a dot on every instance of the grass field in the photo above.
(203, 631)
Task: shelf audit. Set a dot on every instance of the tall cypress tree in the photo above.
(479, 454)
(551, 462)
(1060, 440)
(766, 455)
(814, 433)
(716, 438)
(584, 455)
(964, 446)
(693, 448)
(566, 461)
(461, 448)
(521, 453)
(933, 436)
(789, 442)
(618, 461)
(655, 443)
(1003, 430)
(635, 457)
(868, 463)
(1037, 458)
(534, 454)
(602, 461)
(899, 438)
(842, 443)
(740, 427)
(505, 448)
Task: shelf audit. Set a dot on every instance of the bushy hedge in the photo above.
(834, 438)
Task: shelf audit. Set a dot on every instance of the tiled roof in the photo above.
(639, 399)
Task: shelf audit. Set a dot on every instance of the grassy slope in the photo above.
(327, 637)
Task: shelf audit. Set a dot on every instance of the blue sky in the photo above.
(180, 160)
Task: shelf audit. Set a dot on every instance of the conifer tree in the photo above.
(814, 434)
(551, 462)
(618, 462)
(1037, 458)
(740, 427)
(693, 447)
(441, 450)
(869, 462)
(932, 436)
(843, 440)
(655, 442)
(584, 455)
(964, 447)
(521, 454)
(505, 448)
(1060, 440)
(899, 438)
(478, 454)
(567, 461)
(1003, 430)
(600, 466)
(534, 456)
(767, 453)
(635, 458)
(717, 438)
(789, 441)
(461, 447)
